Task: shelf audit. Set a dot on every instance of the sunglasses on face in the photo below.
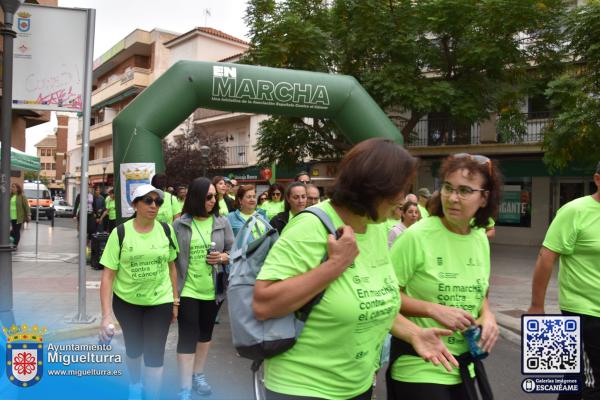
(148, 200)
(276, 194)
(210, 196)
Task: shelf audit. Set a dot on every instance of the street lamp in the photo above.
(9, 7)
(204, 152)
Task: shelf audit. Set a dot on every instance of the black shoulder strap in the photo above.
(168, 233)
(304, 311)
(121, 236)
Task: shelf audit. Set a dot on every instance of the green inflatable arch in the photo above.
(187, 85)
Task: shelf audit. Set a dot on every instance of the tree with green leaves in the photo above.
(462, 58)
(574, 136)
(183, 159)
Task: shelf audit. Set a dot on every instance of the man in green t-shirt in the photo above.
(574, 238)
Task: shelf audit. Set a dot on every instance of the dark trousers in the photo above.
(435, 391)
(278, 396)
(15, 231)
(590, 378)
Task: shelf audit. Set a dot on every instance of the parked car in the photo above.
(39, 195)
(63, 209)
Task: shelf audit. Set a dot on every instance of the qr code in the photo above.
(551, 344)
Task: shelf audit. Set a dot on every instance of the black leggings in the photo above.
(590, 376)
(196, 320)
(15, 231)
(278, 396)
(435, 391)
(145, 329)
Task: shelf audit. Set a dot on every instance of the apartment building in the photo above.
(124, 71)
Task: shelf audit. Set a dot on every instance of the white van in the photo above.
(39, 198)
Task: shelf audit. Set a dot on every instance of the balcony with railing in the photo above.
(236, 155)
(529, 129)
(133, 78)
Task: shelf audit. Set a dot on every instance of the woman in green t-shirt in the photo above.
(224, 202)
(141, 279)
(274, 204)
(336, 354)
(19, 212)
(205, 239)
(443, 267)
(111, 211)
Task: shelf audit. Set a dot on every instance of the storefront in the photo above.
(531, 195)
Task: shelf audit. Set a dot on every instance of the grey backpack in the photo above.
(252, 338)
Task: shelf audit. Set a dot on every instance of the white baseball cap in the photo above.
(143, 190)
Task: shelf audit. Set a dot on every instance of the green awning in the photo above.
(22, 161)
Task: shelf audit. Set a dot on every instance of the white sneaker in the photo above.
(200, 385)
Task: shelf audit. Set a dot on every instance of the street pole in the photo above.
(9, 7)
(81, 316)
(103, 183)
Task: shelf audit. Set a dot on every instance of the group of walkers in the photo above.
(417, 268)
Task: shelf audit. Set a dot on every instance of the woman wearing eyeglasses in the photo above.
(338, 350)
(274, 204)
(443, 267)
(224, 202)
(295, 201)
(140, 277)
(200, 269)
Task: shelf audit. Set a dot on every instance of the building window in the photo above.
(515, 203)
(538, 107)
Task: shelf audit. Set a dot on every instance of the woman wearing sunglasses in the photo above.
(140, 277)
(224, 202)
(201, 281)
(274, 204)
(443, 267)
(338, 350)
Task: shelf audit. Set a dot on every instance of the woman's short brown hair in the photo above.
(241, 192)
(493, 183)
(373, 170)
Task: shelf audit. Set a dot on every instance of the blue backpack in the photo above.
(252, 338)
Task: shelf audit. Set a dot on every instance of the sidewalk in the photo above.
(510, 287)
(45, 290)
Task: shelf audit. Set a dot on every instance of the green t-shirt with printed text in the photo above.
(338, 350)
(111, 206)
(13, 207)
(575, 235)
(165, 212)
(272, 208)
(199, 282)
(142, 273)
(439, 266)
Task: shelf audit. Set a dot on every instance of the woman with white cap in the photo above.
(141, 278)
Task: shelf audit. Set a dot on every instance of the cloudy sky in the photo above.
(115, 19)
